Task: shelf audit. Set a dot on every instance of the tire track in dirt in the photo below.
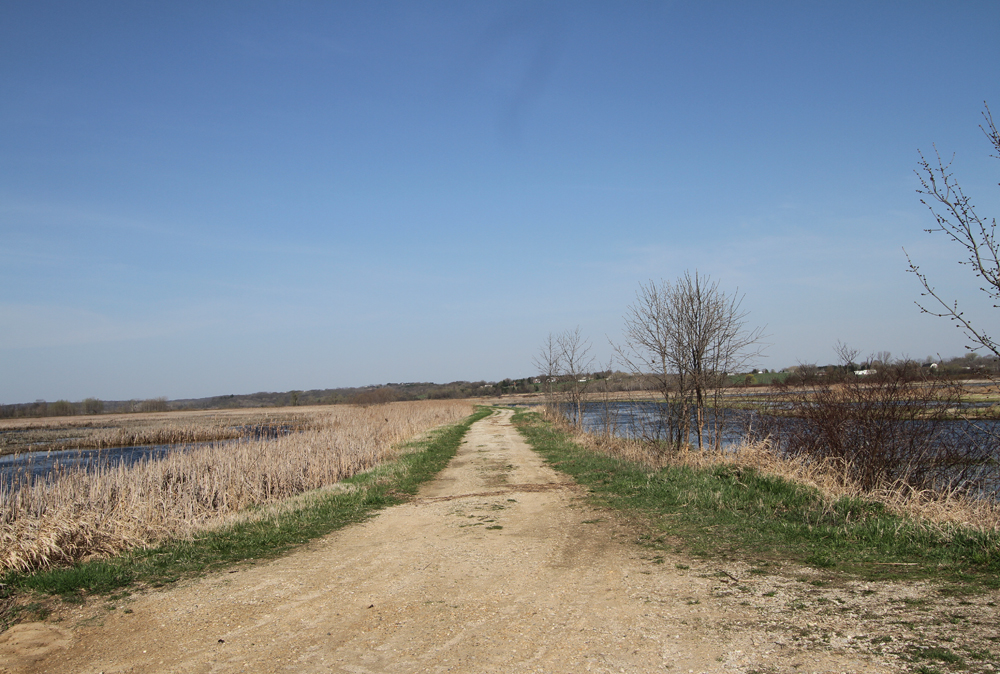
(497, 566)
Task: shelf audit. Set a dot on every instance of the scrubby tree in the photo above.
(958, 221)
(893, 427)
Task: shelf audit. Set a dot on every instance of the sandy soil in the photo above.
(498, 566)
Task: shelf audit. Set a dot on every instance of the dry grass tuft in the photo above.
(77, 515)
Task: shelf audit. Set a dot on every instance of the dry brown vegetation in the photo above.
(76, 515)
(124, 430)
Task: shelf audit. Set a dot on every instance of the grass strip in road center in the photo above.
(730, 512)
(275, 532)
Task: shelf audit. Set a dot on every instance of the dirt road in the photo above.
(498, 566)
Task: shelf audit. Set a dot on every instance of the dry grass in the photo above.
(124, 430)
(77, 515)
(939, 509)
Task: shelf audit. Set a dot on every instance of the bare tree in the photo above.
(882, 358)
(564, 360)
(732, 347)
(609, 412)
(652, 349)
(689, 335)
(848, 356)
(577, 363)
(957, 219)
(548, 363)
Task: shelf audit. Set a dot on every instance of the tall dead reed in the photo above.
(77, 514)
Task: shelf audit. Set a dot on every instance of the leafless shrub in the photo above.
(894, 426)
(608, 411)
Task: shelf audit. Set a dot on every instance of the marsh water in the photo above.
(645, 420)
(44, 463)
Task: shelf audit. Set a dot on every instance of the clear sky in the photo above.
(204, 198)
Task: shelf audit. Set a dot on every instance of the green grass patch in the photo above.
(264, 538)
(758, 379)
(936, 653)
(728, 512)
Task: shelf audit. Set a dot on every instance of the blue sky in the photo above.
(226, 197)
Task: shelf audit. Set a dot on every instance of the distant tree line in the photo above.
(969, 366)
(87, 406)
(365, 395)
